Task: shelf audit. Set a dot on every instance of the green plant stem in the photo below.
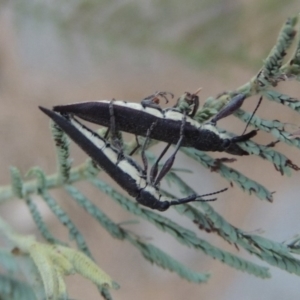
(52, 181)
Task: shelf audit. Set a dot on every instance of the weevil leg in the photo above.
(234, 104)
(106, 133)
(196, 102)
(143, 152)
(143, 155)
(154, 169)
(153, 100)
(113, 132)
(138, 145)
(188, 102)
(169, 163)
(164, 95)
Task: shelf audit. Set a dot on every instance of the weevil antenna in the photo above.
(213, 193)
(194, 198)
(254, 112)
(169, 163)
(143, 152)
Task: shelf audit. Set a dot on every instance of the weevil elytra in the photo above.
(137, 118)
(122, 168)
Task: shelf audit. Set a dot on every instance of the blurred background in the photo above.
(57, 52)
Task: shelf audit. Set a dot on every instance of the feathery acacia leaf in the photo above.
(54, 261)
(13, 289)
(184, 236)
(232, 175)
(63, 152)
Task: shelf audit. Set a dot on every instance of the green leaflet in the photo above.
(40, 224)
(286, 36)
(16, 182)
(162, 259)
(204, 216)
(150, 252)
(93, 210)
(243, 182)
(13, 289)
(8, 262)
(184, 236)
(281, 163)
(274, 127)
(274, 253)
(62, 152)
(286, 100)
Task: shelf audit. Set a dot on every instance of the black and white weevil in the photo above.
(136, 118)
(122, 168)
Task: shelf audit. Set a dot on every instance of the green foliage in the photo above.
(204, 216)
(13, 289)
(232, 175)
(199, 33)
